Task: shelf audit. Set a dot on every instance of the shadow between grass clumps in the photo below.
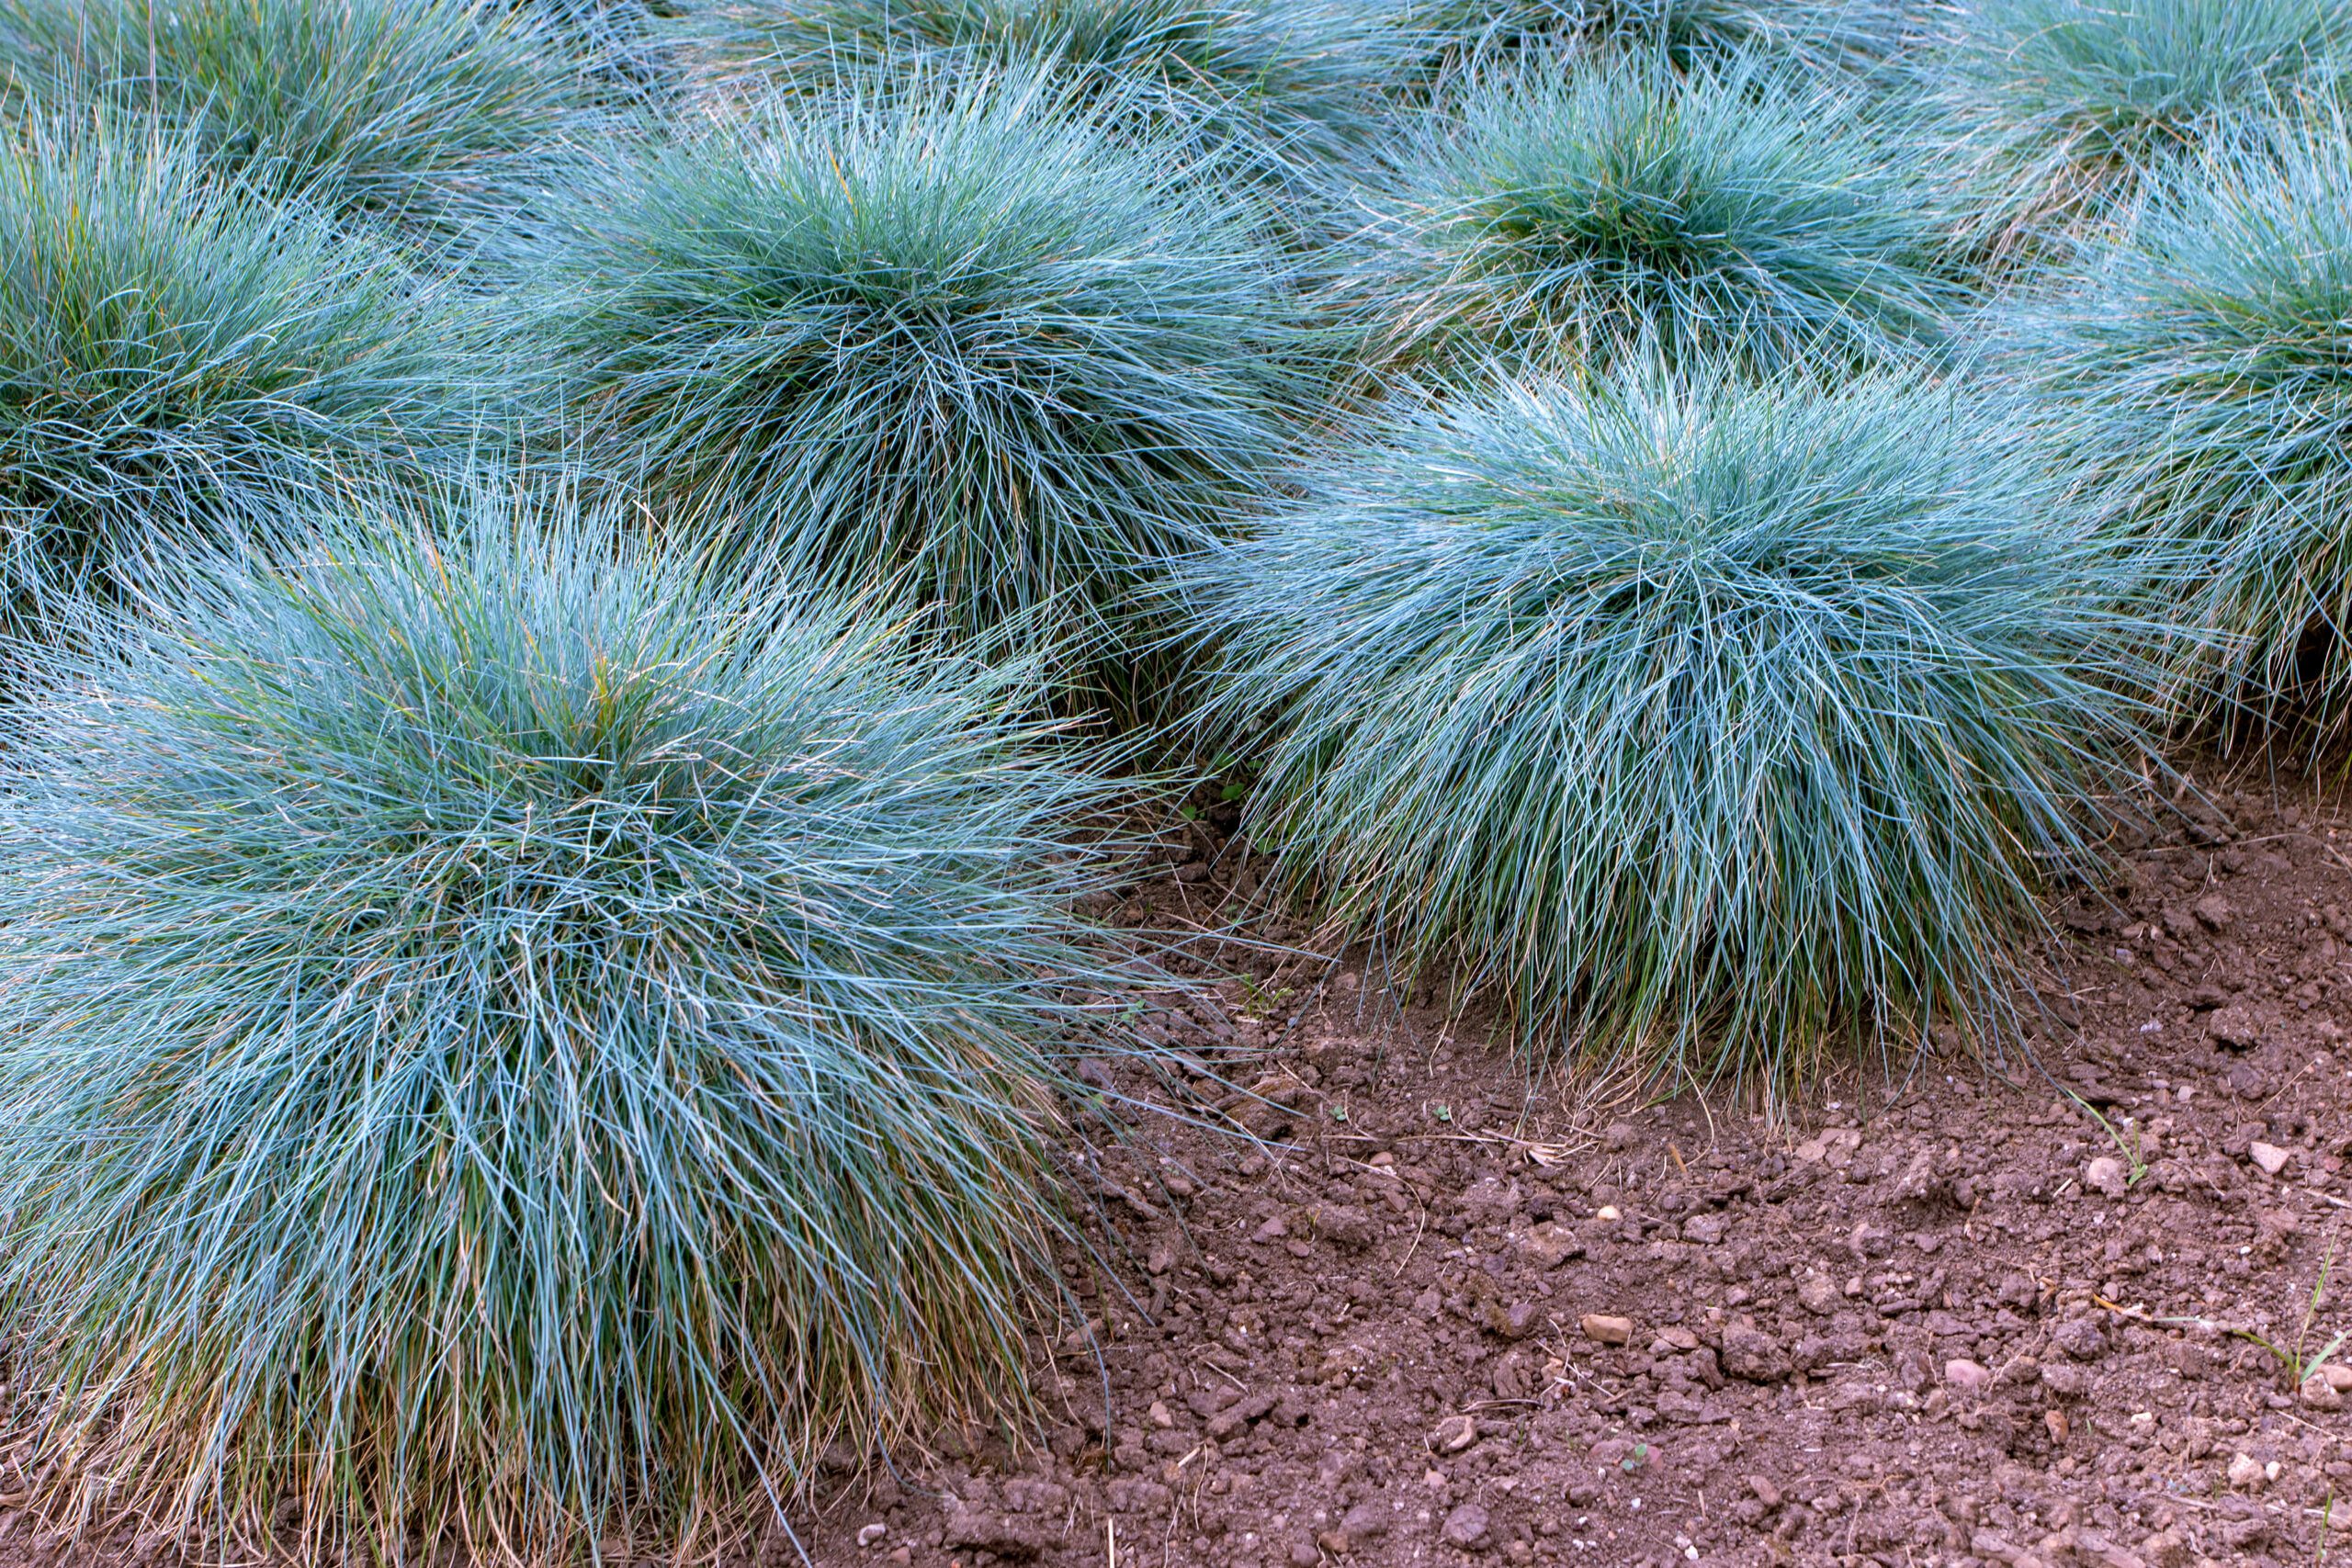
(1706, 725)
(503, 1040)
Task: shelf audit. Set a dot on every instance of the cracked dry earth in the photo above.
(1969, 1321)
(1440, 1319)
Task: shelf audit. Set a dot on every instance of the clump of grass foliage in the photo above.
(1711, 723)
(628, 44)
(425, 114)
(500, 1038)
(2202, 372)
(981, 347)
(176, 353)
(1282, 87)
(2066, 102)
(1560, 214)
(1829, 34)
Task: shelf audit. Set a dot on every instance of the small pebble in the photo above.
(1973, 1377)
(1467, 1526)
(1604, 1329)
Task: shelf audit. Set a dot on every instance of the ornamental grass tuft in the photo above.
(629, 45)
(2066, 103)
(982, 349)
(2201, 371)
(1280, 87)
(1722, 212)
(177, 355)
(503, 1042)
(1703, 725)
(1831, 34)
(426, 115)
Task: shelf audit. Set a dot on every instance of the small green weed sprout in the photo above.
(2298, 1359)
(2126, 1139)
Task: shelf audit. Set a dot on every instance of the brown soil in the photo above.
(1941, 1323)
(1930, 1326)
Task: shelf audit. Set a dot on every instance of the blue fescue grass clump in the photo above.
(2201, 371)
(425, 115)
(1862, 35)
(2066, 103)
(501, 1038)
(981, 348)
(1281, 86)
(1563, 213)
(177, 355)
(1705, 723)
(627, 45)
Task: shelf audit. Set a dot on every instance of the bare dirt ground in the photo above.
(2016, 1318)
(1954, 1321)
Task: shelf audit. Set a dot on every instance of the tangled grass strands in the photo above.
(428, 117)
(629, 46)
(177, 355)
(1280, 88)
(503, 1035)
(2064, 104)
(1710, 725)
(2200, 372)
(1829, 36)
(984, 349)
(1560, 216)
